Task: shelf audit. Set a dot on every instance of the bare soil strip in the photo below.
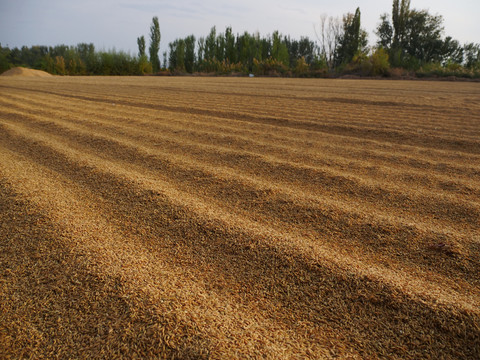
(225, 218)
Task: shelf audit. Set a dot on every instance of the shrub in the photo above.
(221, 67)
(60, 65)
(301, 68)
(450, 70)
(380, 63)
(144, 66)
(376, 64)
(269, 67)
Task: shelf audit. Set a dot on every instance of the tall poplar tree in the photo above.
(141, 46)
(211, 45)
(230, 49)
(155, 44)
(279, 49)
(400, 15)
(190, 53)
(353, 39)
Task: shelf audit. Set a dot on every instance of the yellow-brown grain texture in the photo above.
(25, 72)
(230, 218)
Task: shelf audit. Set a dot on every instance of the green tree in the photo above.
(293, 50)
(400, 16)
(250, 47)
(201, 49)
(81, 67)
(353, 39)
(180, 55)
(210, 50)
(165, 60)
(155, 44)
(144, 66)
(243, 48)
(141, 46)
(301, 67)
(48, 64)
(4, 62)
(298, 49)
(414, 37)
(60, 65)
(452, 51)
(307, 50)
(189, 53)
(394, 35)
(14, 57)
(107, 63)
(423, 40)
(72, 67)
(471, 53)
(177, 55)
(384, 32)
(88, 55)
(220, 47)
(279, 49)
(230, 48)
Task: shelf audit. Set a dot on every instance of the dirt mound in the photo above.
(21, 71)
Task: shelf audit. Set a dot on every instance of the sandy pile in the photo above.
(21, 71)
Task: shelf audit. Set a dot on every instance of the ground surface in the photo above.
(239, 218)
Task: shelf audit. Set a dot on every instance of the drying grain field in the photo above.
(239, 218)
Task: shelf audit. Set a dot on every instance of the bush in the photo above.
(376, 64)
(436, 70)
(269, 67)
(380, 63)
(301, 68)
(221, 67)
(144, 66)
(59, 65)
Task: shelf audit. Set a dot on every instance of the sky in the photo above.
(117, 23)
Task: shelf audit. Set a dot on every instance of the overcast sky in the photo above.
(118, 23)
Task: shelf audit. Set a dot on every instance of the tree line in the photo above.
(410, 41)
(82, 59)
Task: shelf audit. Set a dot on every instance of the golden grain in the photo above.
(239, 218)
